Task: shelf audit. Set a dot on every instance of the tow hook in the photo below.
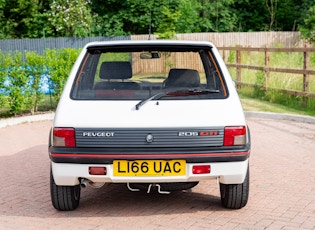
(132, 189)
(149, 189)
(159, 189)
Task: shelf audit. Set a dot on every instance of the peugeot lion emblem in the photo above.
(149, 138)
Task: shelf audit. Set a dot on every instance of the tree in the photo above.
(217, 16)
(167, 28)
(80, 18)
(188, 20)
(23, 18)
(287, 16)
(116, 17)
(308, 27)
(272, 9)
(251, 15)
(2, 19)
(71, 18)
(38, 24)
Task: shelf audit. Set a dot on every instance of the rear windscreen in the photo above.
(137, 73)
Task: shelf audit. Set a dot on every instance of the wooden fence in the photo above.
(245, 39)
(229, 39)
(306, 72)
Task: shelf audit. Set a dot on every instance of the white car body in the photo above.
(183, 115)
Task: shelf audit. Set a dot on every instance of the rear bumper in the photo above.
(67, 174)
(107, 155)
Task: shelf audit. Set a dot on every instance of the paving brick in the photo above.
(281, 190)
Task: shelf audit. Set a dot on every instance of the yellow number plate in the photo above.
(149, 168)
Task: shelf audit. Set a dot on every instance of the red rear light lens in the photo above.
(64, 137)
(97, 170)
(234, 136)
(201, 169)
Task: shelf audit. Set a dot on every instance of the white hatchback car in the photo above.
(157, 115)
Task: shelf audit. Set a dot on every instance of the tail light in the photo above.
(234, 136)
(64, 137)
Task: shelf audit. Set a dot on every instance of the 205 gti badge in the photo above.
(202, 133)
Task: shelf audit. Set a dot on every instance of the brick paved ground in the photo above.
(282, 192)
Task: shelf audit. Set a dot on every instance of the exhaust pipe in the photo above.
(85, 182)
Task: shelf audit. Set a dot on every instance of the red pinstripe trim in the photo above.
(117, 156)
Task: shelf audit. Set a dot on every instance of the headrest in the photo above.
(183, 78)
(115, 70)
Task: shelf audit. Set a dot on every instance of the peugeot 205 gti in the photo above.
(156, 115)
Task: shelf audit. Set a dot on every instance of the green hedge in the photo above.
(23, 76)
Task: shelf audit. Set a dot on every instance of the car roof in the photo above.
(149, 42)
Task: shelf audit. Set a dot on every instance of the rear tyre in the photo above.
(235, 196)
(64, 198)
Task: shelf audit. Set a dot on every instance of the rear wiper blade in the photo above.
(155, 96)
(191, 92)
(178, 93)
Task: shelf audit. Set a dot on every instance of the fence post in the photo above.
(223, 55)
(306, 77)
(238, 69)
(267, 64)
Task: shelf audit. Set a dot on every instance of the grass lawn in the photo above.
(254, 104)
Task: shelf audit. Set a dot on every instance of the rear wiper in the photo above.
(191, 92)
(178, 93)
(155, 96)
